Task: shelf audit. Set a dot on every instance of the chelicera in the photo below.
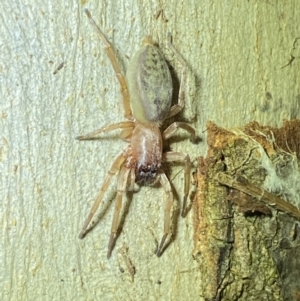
(147, 96)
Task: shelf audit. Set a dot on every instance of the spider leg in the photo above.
(132, 180)
(112, 56)
(167, 212)
(125, 125)
(181, 157)
(172, 129)
(181, 95)
(122, 183)
(119, 161)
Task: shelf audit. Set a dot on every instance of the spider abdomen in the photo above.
(150, 84)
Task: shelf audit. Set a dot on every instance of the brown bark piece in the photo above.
(248, 256)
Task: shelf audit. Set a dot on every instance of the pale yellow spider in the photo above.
(147, 96)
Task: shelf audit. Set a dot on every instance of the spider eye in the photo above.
(153, 169)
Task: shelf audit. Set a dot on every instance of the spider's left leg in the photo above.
(172, 129)
(167, 212)
(181, 95)
(181, 157)
(126, 126)
(122, 183)
(113, 59)
(116, 166)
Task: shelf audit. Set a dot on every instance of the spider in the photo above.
(147, 96)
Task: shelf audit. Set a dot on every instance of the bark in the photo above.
(246, 213)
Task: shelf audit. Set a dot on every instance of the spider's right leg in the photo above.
(172, 129)
(126, 126)
(167, 212)
(175, 109)
(119, 161)
(181, 157)
(112, 56)
(122, 183)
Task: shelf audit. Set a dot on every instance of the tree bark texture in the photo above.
(246, 213)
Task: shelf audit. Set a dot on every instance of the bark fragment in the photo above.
(246, 234)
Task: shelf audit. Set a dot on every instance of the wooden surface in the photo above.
(243, 60)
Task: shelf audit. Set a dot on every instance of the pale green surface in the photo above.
(236, 52)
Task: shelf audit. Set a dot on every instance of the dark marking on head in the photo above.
(146, 175)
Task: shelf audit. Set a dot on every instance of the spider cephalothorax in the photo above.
(146, 145)
(147, 98)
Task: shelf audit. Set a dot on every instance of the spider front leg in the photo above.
(119, 161)
(167, 212)
(112, 56)
(181, 157)
(172, 129)
(122, 184)
(126, 126)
